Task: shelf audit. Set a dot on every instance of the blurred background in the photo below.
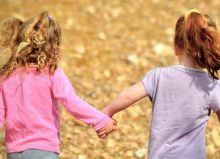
(108, 45)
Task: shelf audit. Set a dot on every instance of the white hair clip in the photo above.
(21, 46)
(191, 11)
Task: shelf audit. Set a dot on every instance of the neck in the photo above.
(186, 60)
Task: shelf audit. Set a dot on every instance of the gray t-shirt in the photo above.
(182, 99)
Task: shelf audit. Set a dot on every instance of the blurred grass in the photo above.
(107, 46)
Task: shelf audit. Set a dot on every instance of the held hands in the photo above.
(109, 128)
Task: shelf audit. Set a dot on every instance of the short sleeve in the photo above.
(150, 81)
(215, 100)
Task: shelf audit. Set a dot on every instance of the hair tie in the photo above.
(49, 17)
(21, 46)
(191, 11)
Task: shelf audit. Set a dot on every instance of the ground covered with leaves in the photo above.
(108, 45)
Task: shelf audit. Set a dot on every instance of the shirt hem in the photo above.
(23, 148)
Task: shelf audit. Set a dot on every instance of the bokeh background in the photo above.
(108, 45)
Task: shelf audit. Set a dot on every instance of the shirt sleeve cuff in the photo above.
(103, 122)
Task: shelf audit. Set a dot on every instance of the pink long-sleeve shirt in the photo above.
(29, 107)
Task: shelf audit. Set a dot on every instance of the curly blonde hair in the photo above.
(38, 44)
(9, 31)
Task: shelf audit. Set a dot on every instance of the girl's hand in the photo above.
(109, 128)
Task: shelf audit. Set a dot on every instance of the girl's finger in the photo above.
(114, 128)
(114, 121)
(101, 130)
(103, 136)
(101, 133)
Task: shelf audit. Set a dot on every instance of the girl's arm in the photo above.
(218, 115)
(63, 90)
(125, 99)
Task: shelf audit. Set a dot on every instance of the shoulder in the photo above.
(218, 82)
(157, 71)
(214, 88)
(153, 71)
(59, 71)
(152, 75)
(215, 83)
(59, 74)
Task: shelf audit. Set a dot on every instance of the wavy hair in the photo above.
(197, 35)
(9, 41)
(38, 44)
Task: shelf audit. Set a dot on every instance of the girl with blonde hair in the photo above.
(31, 86)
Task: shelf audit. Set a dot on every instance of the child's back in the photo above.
(182, 98)
(32, 111)
(31, 99)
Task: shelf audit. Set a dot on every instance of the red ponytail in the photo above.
(197, 35)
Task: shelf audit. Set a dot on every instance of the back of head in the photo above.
(197, 35)
(35, 41)
(40, 41)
